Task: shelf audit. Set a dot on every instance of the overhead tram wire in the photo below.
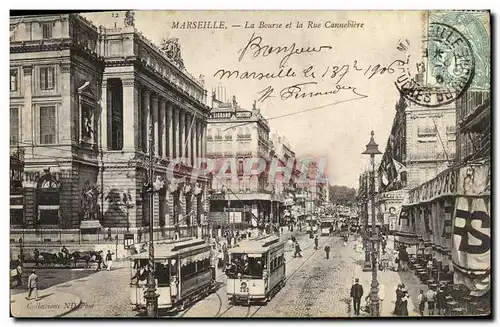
(303, 111)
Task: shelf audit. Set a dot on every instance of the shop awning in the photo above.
(473, 179)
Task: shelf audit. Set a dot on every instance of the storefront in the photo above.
(449, 218)
(389, 205)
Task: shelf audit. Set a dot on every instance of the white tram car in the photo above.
(183, 274)
(256, 270)
(326, 224)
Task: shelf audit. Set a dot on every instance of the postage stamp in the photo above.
(250, 164)
(450, 68)
(474, 26)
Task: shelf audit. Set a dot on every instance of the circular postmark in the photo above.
(450, 69)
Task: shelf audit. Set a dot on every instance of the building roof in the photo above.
(257, 245)
(172, 249)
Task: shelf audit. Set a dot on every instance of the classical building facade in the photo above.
(85, 101)
(55, 74)
(234, 132)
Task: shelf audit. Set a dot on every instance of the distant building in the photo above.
(237, 133)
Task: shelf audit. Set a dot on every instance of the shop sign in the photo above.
(444, 184)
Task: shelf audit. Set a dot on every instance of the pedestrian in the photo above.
(421, 299)
(441, 301)
(109, 260)
(384, 244)
(404, 304)
(36, 254)
(32, 285)
(297, 250)
(356, 294)
(431, 299)
(98, 258)
(327, 251)
(403, 259)
(397, 304)
(381, 296)
(109, 233)
(139, 235)
(316, 242)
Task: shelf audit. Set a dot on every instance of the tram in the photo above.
(256, 270)
(184, 273)
(326, 225)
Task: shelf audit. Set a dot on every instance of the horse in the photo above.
(46, 258)
(63, 260)
(87, 256)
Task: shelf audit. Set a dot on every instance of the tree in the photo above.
(342, 195)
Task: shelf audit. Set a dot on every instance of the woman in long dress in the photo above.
(399, 296)
(404, 305)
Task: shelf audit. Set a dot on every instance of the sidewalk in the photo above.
(389, 279)
(51, 304)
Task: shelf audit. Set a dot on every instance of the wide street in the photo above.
(316, 287)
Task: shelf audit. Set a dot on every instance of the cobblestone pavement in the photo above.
(103, 294)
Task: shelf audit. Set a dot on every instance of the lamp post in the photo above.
(372, 150)
(151, 187)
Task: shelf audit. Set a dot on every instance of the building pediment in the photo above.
(86, 91)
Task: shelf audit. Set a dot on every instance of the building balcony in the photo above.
(243, 137)
(243, 153)
(218, 137)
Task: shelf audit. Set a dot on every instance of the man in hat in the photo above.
(356, 294)
(327, 251)
(316, 241)
(32, 285)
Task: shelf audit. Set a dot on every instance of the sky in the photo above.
(335, 123)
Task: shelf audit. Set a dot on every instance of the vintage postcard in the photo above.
(304, 164)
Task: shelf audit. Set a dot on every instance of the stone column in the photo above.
(63, 116)
(27, 130)
(192, 144)
(154, 115)
(170, 129)
(182, 123)
(198, 139)
(189, 133)
(130, 115)
(146, 112)
(163, 129)
(138, 112)
(176, 132)
(203, 139)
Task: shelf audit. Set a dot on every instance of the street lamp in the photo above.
(372, 150)
(151, 188)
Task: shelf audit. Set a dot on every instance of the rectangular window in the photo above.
(49, 217)
(14, 126)
(48, 125)
(16, 217)
(47, 30)
(13, 80)
(47, 78)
